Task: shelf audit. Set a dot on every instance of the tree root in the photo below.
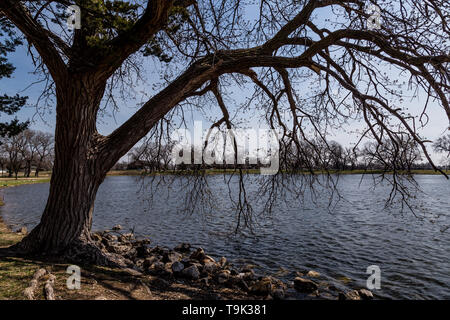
(29, 292)
(80, 251)
(89, 253)
(48, 288)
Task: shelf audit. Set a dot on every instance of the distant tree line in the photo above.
(402, 155)
(26, 151)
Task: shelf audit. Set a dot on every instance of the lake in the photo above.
(340, 242)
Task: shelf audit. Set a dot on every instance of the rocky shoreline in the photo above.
(194, 267)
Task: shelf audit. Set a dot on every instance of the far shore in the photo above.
(46, 175)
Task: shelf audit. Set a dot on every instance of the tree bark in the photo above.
(76, 176)
(67, 217)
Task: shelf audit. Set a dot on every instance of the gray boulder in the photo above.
(191, 272)
(172, 256)
(177, 267)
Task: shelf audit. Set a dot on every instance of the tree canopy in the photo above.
(9, 104)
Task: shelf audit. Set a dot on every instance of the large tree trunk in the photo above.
(76, 176)
(67, 217)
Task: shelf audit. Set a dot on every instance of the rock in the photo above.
(341, 296)
(110, 237)
(158, 250)
(157, 267)
(205, 281)
(142, 242)
(234, 272)
(208, 259)
(352, 295)
(142, 251)
(278, 294)
(188, 262)
(239, 282)
(148, 262)
(222, 262)
(365, 294)
(247, 275)
(22, 230)
(198, 255)
(223, 276)
(131, 254)
(183, 247)
(177, 267)
(304, 285)
(313, 274)
(191, 272)
(117, 227)
(209, 267)
(106, 243)
(168, 268)
(96, 237)
(126, 237)
(262, 287)
(118, 249)
(172, 256)
(269, 287)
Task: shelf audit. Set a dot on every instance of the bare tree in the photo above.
(3, 159)
(204, 47)
(395, 156)
(442, 145)
(13, 148)
(44, 150)
(28, 150)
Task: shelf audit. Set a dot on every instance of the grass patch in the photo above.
(12, 182)
(96, 283)
(7, 237)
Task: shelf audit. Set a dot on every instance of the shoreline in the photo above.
(154, 273)
(46, 175)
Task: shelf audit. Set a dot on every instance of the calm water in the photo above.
(413, 253)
